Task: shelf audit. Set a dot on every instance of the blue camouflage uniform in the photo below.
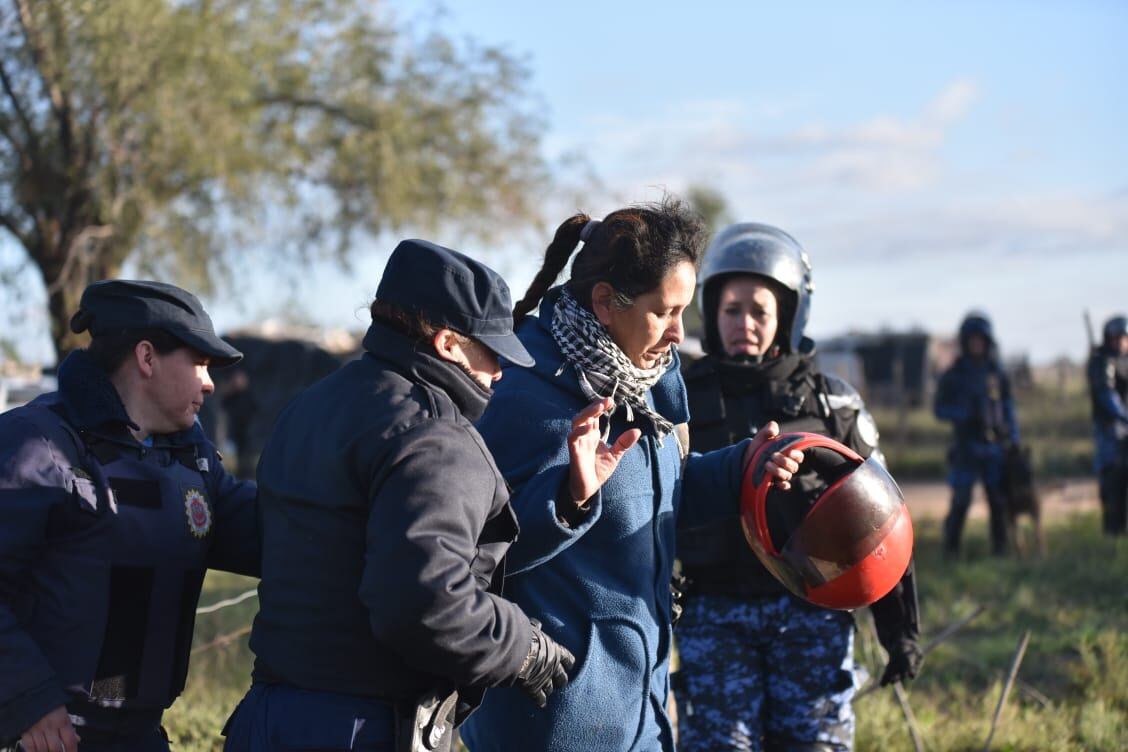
(104, 543)
(1108, 388)
(760, 668)
(975, 396)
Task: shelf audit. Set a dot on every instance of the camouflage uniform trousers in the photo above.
(767, 674)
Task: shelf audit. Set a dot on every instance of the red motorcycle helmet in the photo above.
(841, 537)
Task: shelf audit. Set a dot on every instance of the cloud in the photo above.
(729, 141)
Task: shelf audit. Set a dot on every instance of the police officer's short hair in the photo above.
(109, 351)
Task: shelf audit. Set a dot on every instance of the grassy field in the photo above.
(1073, 693)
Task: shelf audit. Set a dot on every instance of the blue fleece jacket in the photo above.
(601, 587)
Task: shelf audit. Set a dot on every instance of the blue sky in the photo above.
(931, 157)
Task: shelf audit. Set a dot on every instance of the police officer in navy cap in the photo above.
(385, 522)
(113, 504)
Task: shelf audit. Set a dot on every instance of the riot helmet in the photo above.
(765, 251)
(846, 548)
(976, 323)
(1113, 329)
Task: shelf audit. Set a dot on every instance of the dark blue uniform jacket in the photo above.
(1108, 389)
(385, 522)
(975, 395)
(103, 547)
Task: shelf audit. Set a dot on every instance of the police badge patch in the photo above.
(198, 512)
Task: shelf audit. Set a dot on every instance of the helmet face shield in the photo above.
(854, 543)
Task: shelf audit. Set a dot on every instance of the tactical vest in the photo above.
(724, 411)
(1104, 368)
(118, 593)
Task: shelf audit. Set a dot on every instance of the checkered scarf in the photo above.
(603, 369)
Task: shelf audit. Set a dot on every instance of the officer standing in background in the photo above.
(385, 523)
(975, 396)
(761, 668)
(1108, 387)
(113, 506)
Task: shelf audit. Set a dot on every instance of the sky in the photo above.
(932, 158)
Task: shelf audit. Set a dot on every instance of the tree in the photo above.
(168, 132)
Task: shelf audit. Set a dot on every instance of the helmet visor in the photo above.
(849, 521)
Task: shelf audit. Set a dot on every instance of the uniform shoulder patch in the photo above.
(198, 512)
(841, 395)
(867, 429)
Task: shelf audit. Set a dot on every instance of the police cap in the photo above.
(455, 292)
(116, 304)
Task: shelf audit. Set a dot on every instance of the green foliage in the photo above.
(170, 132)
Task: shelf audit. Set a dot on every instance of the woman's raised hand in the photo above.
(781, 466)
(592, 460)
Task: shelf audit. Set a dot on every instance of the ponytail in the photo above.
(555, 259)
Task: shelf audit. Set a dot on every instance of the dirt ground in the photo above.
(1059, 498)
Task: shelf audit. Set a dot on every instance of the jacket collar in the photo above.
(535, 332)
(415, 361)
(89, 396)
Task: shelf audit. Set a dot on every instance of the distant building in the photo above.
(888, 368)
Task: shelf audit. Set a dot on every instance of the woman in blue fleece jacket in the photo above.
(594, 557)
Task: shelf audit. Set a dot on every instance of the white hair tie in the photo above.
(589, 228)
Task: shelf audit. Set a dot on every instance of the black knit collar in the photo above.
(419, 362)
(90, 397)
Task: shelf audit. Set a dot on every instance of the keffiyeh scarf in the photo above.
(603, 369)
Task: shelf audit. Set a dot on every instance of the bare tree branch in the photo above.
(77, 252)
(17, 106)
(60, 101)
(1012, 674)
(309, 103)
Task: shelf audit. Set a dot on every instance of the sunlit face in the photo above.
(1121, 344)
(177, 389)
(653, 323)
(747, 317)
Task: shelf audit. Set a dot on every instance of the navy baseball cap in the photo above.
(115, 304)
(453, 291)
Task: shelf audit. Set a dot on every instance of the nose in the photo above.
(207, 386)
(496, 376)
(676, 332)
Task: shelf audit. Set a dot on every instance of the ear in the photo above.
(602, 301)
(144, 356)
(446, 345)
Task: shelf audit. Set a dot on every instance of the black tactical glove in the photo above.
(546, 667)
(905, 658)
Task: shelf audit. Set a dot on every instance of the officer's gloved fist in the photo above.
(904, 662)
(546, 667)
